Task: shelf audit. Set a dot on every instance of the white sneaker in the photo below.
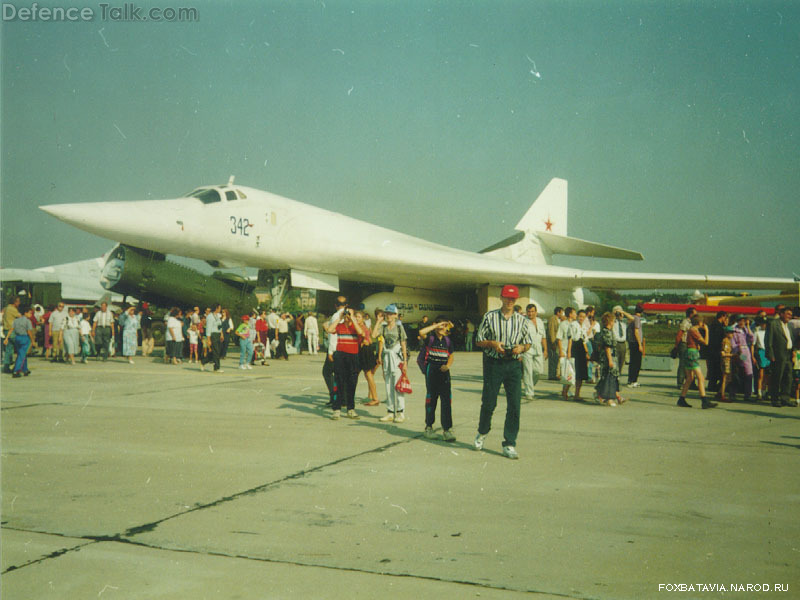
(429, 433)
(351, 414)
(242, 367)
(399, 418)
(249, 366)
(510, 452)
(336, 414)
(478, 443)
(387, 418)
(202, 367)
(448, 436)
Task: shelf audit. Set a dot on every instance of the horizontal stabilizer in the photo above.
(509, 241)
(562, 244)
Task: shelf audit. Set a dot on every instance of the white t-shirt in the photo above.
(174, 324)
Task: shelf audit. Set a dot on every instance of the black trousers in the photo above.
(345, 369)
(102, 338)
(780, 382)
(213, 356)
(438, 386)
(280, 352)
(330, 380)
(635, 362)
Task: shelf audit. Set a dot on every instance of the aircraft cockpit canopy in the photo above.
(209, 195)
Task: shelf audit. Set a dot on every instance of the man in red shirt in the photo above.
(345, 359)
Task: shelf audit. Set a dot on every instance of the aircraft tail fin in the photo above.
(542, 232)
(549, 211)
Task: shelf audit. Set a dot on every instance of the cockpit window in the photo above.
(241, 194)
(206, 196)
(230, 195)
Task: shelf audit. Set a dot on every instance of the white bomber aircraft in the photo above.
(232, 225)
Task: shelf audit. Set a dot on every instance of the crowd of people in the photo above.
(744, 357)
(755, 359)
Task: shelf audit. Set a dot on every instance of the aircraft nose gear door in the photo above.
(273, 283)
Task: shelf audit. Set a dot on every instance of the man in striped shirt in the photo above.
(503, 335)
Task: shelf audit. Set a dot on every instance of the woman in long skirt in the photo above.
(580, 352)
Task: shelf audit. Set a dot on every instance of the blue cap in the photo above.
(392, 308)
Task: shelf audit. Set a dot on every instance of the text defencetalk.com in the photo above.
(125, 12)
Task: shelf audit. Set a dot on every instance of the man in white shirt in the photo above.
(533, 359)
(57, 320)
(103, 330)
(311, 331)
(620, 336)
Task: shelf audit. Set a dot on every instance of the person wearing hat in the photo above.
(394, 358)
(245, 343)
(503, 335)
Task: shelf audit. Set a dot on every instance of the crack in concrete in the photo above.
(148, 527)
(54, 554)
(91, 540)
(125, 536)
(34, 405)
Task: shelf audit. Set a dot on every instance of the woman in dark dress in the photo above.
(580, 353)
(607, 390)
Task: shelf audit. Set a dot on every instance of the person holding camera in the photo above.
(345, 359)
(698, 334)
(503, 335)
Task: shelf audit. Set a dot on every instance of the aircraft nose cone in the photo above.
(73, 214)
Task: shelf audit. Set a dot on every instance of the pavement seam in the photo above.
(35, 405)
(148, 527)
(54, 554)
(91, 540)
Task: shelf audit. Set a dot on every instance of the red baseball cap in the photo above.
(510, 291)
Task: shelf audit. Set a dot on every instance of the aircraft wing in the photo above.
(631, 281)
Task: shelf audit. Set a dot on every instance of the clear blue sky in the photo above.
(675, 123)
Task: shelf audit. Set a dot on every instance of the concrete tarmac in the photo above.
(159, 481)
